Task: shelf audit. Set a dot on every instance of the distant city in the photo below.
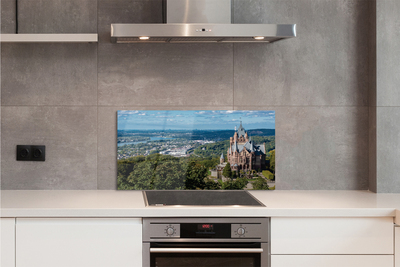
(165, 146)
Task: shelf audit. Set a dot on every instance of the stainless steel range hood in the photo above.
(189, 21)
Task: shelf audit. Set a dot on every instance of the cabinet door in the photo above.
(332, 235)
(79, 242)
(331, 260)
(7, 242)
(397, 246)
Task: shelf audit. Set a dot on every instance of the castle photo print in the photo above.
(196, 150)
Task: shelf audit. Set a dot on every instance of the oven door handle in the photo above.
(206, 250)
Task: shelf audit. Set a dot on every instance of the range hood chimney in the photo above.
(199, 21)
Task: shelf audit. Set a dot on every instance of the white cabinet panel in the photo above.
(79, 242)
(332, 235)
(7, 242)
(397, 246)
(331, 260)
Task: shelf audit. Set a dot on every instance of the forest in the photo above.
(164, 172)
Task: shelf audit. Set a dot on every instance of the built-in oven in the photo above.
(206, 242)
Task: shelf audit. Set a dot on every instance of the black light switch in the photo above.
(31, 153)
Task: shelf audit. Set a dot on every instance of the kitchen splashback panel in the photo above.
(196, 150)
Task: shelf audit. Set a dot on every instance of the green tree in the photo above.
(260, 184)
(238, 184)
(169, 175)
(124, 168)
(211, 185)
(123, 184)
(241, 183)
(195, 175)
(272, 161)
(268, 175)
(234, 175)
(142, 176)
(209, 162)
(227, 172)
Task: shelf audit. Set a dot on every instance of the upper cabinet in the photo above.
(48, 38)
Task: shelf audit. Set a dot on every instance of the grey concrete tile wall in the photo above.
(327, 64)
(387, 112)
(57, 16)
(126, 11)
(388, 149)
(8, 16)
(165, 74)
(388, 56)
(107, 136)
(65, 96)
(70, 137)
(321, 148)
(49, 74)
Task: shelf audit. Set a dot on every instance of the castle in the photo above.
(243, 154)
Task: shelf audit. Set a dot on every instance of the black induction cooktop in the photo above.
(199, 198)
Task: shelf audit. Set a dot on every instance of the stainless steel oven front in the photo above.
(206, 242)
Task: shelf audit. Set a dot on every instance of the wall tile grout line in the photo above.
(97, 95)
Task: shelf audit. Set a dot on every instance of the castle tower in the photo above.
(243, 153)
(222, 158)
(235, 136)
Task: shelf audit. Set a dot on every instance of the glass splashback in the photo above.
(196, 150)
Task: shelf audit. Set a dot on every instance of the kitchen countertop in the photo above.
(279, 203)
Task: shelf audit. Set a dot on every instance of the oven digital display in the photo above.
(205, 227)
(205, 230)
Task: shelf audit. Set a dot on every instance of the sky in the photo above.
(195, 119)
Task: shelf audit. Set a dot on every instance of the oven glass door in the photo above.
(205, 254)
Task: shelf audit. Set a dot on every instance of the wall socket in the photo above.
(31, 153)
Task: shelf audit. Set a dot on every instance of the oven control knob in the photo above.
(170, 231)
(241, 231)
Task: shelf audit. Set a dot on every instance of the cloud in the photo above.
(126, 112)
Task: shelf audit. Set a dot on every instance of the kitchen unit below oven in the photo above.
(205, 242)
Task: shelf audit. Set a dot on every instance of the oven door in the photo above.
(206, 254)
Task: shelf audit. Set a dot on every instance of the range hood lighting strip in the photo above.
(220, 33)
